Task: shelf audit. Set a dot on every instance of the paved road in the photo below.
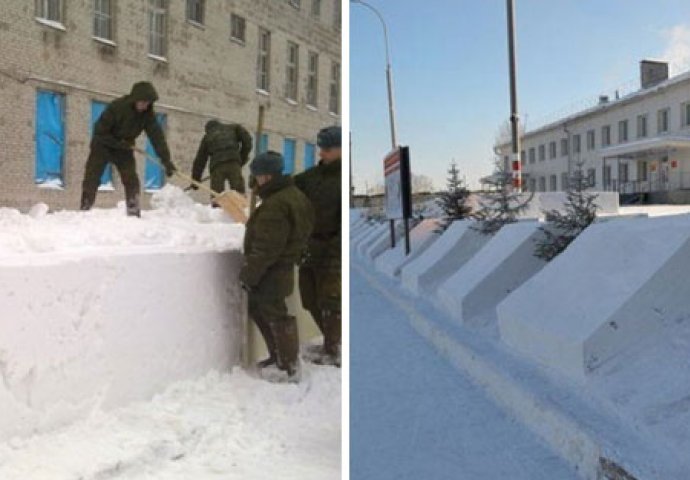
(413, 416)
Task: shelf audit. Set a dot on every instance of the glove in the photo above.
(192, 186)
(127, 144)
(170, 169)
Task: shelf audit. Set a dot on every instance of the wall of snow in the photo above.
(421, 236)
(503, 264)
(455, 247)
(101, 331)
(618, 283)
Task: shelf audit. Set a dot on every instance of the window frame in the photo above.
(158, 12)
(263, 70)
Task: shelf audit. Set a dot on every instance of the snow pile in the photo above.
(175, 223)
(617, 283)
(219, 426)
(506, 261)
(455, 247)
(392, 260)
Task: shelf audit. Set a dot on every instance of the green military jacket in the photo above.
(322, 185)
(223, 144)
(120, 123)
(277, 232)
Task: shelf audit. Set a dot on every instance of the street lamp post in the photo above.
(389, 83)
(514, 118)
(389, 72)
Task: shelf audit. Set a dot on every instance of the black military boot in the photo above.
(133, 209)
(332, 333)
(287, 347)
(267, 334)
(87, 201)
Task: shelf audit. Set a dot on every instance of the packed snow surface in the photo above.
(221, 426)
(176, 222)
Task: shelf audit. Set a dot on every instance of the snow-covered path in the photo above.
(229, 426)
(413, 416)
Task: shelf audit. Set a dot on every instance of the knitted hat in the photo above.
(329, 137)
(267, 163)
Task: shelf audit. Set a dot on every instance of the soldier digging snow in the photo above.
(113, 141)
(275, 239)
(228, 147)
(319, 275)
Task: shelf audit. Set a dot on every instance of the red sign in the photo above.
(674, 163)
(391, 163)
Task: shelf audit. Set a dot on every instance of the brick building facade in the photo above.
(207, 59)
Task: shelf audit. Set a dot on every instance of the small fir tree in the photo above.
(454, 200)
(562, 228)
(502, 205)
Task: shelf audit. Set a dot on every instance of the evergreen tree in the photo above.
(502, 205)
(454, 200)
(564, 227)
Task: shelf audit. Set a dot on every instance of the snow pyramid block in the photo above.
(364, 239)
(382, 241)
(391, 261)
(455, 247)
(618, 283)
(506, 262)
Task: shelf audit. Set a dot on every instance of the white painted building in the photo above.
(637, 145)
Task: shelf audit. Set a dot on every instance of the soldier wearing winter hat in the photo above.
(275, 239)
(320, 275)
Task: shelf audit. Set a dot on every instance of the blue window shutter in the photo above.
(50, 136)
(263, 143)
(153, 173)
(97, 109)
(309, 155)
(289, 147)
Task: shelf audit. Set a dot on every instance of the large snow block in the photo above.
(101, 331)
(455, 247)
(391, 261)
(616, 284)
(382, 242)
(362, 241)
(505, 263)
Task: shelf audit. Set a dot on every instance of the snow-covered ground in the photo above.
(221, 426)
(415, 417)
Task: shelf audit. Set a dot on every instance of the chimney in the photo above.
(652, 73)
(603, 99)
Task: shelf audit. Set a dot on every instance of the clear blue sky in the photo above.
(450, 69)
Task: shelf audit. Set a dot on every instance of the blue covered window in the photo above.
(154, 177)
(289, 147)
(309, 155)
(50, 138)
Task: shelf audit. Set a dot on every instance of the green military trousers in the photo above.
(230, 171)
(99, 157)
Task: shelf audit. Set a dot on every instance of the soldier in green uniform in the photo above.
(228, 147)
(275, 239)
(113, 139)
(320, 274)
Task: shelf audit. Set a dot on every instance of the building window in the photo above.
(542, 153)
(238, 28)
(553, 183)
(103, 19)
(295, 3)
(532, 155)
(292, 72)
(552, 150)
(606, 135)
(542, 184)
(316, 8)
(591, 177)
(533, 184)
(577, 147)
(337, 14)
(685, 114)
(195, 11)
(622, 131)
(591, 140)
(564, 147)
(642, 171)
(309, 155)
(334, 97)
(565, 182)
(641, 126)
(523, 157)
(263, 78)
(49, 10)
(313, 79)
(97, 108)
(606, 177)
(157, 27)
(662, 120)
(623, 173)
(50, 138)
(289, 149)
(154, 179)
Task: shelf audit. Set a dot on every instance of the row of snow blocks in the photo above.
(619, 282)
(362, 241)
(453, 249)
(378, 244)
(393, 260)
(504, 263)
(97, 332)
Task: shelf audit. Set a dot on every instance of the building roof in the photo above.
(646, 146)
(637, 95)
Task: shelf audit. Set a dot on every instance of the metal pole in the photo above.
(514, 118)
